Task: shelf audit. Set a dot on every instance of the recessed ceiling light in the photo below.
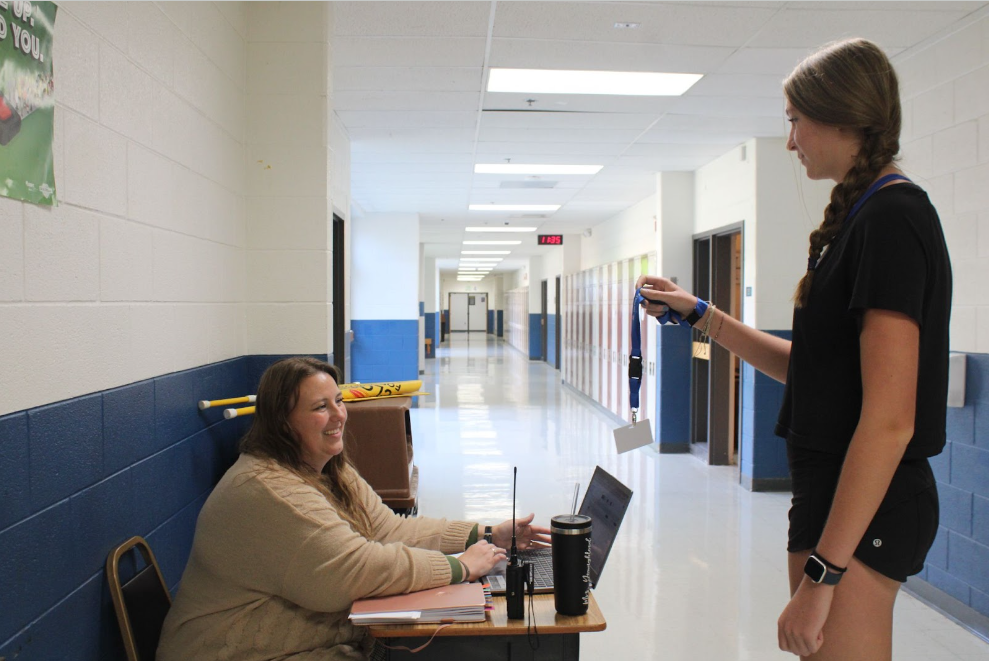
(626, 83)
(467, 278)
(485, 252)
(492, 243)
(513, 207)
(522, 168)
(501, 229)
(473, 260)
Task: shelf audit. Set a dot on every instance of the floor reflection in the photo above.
(697, 571)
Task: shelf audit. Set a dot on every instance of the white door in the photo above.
(468, 312)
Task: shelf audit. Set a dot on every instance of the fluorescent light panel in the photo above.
(625, 83)
(492, 243)
(501, 229)
(485, 252)
(513, 207)
(478, 261)
(522, 168)
(464, 278)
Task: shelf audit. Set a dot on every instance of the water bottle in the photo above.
(571, 535)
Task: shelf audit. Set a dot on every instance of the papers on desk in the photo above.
(463, 602)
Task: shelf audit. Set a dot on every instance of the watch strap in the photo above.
(695, 315)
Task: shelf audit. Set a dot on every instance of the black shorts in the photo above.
(900, 535)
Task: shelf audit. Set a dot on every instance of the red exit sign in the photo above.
(550, 239)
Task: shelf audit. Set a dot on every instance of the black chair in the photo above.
(141, 602)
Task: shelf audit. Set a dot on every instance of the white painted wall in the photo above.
(140, 270)
(675, 226)
(172, 247)
(385, 268)
(945, 148)
(632, 232)
(788, 207)
(289, 264)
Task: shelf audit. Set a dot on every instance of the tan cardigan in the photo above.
(274, 569)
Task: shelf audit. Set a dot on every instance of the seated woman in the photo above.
(292, 535)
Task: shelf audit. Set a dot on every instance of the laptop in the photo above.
(605, 501)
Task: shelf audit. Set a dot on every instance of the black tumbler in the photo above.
(571, 534)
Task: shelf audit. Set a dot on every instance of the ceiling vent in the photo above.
(529, 184)
(531, 215)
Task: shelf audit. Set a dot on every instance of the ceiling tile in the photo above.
(667, 22)
(416, 79)
(796, 26)
(396, 119)
(429, 19)
(354, 100)
(566, 120)
(582, 55)
(451, 51)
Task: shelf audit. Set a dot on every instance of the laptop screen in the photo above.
(605, 502)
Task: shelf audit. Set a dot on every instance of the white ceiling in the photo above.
(409, 78)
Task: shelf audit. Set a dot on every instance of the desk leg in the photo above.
(552, 647)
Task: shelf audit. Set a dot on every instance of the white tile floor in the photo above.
(697, 572)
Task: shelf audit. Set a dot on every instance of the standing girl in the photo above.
(866, 373)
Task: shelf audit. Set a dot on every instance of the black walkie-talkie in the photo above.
(517, 572)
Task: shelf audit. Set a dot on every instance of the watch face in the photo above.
(815, 569)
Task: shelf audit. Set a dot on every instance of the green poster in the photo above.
(27, 101)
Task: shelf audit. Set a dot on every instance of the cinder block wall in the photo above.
(142, 293)
(945, 86)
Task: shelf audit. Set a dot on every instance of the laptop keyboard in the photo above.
(542, 566)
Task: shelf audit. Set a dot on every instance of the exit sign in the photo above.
(550, 239)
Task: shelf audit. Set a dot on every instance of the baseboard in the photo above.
(948, 606)
(764, 483)
(673, 448)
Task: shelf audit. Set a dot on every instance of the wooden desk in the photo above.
(497, 638)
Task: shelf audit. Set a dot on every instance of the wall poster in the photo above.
(27, 101)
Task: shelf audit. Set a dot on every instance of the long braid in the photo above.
(849, 85)
(863, 172)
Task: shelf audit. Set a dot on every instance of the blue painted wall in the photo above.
(80, 476)
(385, 350)
(551, 321)
(762, 454)
(491, 320)
(535, 337)
(672, 389)
(958, 564)
(433, 330)
(500, 323)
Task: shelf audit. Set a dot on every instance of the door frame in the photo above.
(715, 414)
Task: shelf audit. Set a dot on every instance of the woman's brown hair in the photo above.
(849, 85)
(271, 437)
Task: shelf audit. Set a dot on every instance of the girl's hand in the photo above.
(665, 293)
(801, 626)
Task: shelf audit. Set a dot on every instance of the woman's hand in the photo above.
(801, 626)
(480, 558)
(665, 293)
(526, 534)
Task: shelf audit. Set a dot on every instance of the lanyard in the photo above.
(812, 263)
(635, 357)
(872, 189)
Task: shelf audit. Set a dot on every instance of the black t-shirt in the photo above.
(890, 256)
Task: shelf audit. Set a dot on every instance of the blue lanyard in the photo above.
(635, 357)
(872, 189)
(812, 263)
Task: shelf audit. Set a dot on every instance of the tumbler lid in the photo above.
(569, 521)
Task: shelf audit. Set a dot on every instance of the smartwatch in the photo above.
(817, 570)
(487, 535)
(695, 315)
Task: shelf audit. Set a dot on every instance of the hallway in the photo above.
(697, 571)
